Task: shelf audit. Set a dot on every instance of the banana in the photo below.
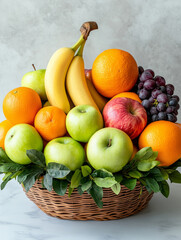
(55, 76)
(100, 100)
(76, 83)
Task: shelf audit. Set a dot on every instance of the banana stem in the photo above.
(80, 50)
(78, 43)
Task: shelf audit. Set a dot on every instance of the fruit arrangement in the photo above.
(90, 129)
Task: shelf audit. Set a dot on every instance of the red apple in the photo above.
(125, 114)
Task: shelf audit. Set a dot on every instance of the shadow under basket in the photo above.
(77, 207)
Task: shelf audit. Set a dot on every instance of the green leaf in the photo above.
(118, 177)
(86, 170)
(11, 167)
(29, 169)
(164, 173)
(31, 178)
(97, 194)
(80, 190)
(57, 170)
(175, 176)
(6, 180)
(75, 181)
(143, 153)
(36, 157)
(152, 184)
(101, 173)
(105, 182)
(69, 176)
(60, 186)
(116, 188)
(146, 165)
(85, 186)
(4, 157)
(164, 188)
(48, 182)
(135, 174)
(129, 183)
(157, 174)
(70, 191)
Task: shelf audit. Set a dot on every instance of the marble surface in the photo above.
(21, 219)
(30, 31)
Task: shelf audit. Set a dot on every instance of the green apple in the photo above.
(35, 81)
(20, 138)
(110, 149)
(82, 122)
(66, 151)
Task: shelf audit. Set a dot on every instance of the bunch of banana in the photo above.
(55, 76)
(63, 65)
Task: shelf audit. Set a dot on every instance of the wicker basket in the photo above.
(83, 207)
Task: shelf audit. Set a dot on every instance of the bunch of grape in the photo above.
(157, 96)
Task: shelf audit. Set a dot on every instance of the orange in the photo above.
(135, 150)
(21, 105)
(50, 122)
(114, 71)
(164, 137)
(4, 127)
(131, 95)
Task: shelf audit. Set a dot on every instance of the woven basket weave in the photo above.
(83, 207)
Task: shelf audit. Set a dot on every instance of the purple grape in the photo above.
(144, 94)
(153, 110)
(176, 97)
(150, 71)
(146, 103)
(163, 89)
(155, 93)
(154, 117)
(145, 76)
(162, 98)
(161, 107)
(170, 89)
(169, 97)
(160, 81)
(149, 84)
(173, 102)
(171, 118)
(162, 116)
(152, 100)
(169, 109)
(178, 106)
(175, 112)
(140, 85)
(140, 69)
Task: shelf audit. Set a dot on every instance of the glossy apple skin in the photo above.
(35, 81)
(20, 138)
(66, 151)
(125, 114)
(82, 122)
(111, 157)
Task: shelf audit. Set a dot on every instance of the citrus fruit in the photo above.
(21, 105)
(131, 95)
(50, 122)
(135, 150)
(114, 71)
(4, 127)
(164, 137)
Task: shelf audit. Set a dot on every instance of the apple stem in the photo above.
(109, 143)
(34, 67)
